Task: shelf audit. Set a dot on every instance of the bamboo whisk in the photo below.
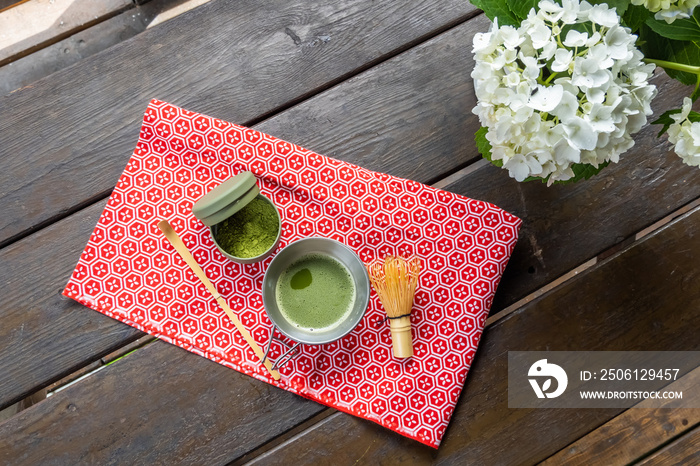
(395, 279)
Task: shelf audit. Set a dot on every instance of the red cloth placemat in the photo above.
(128, 270)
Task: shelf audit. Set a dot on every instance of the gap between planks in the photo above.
(6, 5)
(284, 437)
(622, 245)
(74, 377)
(683, 450)
(262, 452)
(159, 11)
(100, 364)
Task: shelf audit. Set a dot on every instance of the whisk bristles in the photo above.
(395, 279)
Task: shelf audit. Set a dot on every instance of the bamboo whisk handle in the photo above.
(401, 337)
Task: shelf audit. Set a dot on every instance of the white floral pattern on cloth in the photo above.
(129, 272)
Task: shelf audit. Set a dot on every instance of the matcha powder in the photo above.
(250, 231)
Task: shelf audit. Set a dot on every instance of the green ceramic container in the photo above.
(224, 201)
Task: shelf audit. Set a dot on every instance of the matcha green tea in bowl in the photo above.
(244, 224)
(315, 290)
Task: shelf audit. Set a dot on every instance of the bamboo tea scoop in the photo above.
(181, 249)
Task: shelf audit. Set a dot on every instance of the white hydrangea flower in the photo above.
(669, 10)
(685, 135)
(553, 94)
(601, 14)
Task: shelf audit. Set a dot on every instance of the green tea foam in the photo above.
(315, 293)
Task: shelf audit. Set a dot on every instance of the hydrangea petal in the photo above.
(546, 99)
(580, 133)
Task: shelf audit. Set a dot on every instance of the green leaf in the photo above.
(681, 29)
(694, 116)
(583, 171)
(521, 8)
(635, 17)
(497, 9)
(696, 93)
(619, 5)
(661, 48)
(484, 146)
(667, 121)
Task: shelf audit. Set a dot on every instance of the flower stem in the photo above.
(671, 65)
(551, 76)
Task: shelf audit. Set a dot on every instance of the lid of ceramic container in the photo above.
(226, 199)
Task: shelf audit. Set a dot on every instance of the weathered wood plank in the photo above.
(382, 118)
(410, 116)
(626, 302)
(634, 433)
(37, 23)
(41, 63)
(379, 429)
(160, 404)
(683, 452)
(43, 334)
(256, 59)
(94, 39)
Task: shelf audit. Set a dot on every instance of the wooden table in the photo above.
(607, 264)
